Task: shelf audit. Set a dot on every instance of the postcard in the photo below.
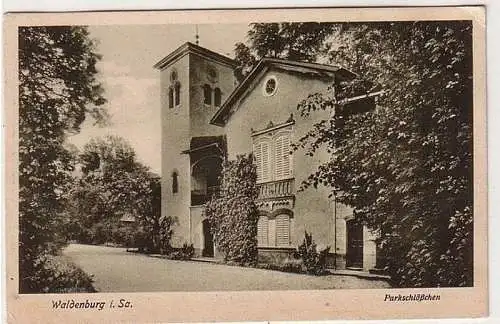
(246, 165)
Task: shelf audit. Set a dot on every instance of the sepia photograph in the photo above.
(290, 154)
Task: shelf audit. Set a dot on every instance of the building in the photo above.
(207, 116)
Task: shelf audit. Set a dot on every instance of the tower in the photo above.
(194, 82)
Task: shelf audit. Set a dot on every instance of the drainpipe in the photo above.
(332, 115)
(190, 225)
(335, 229)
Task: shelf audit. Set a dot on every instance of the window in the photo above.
(177, 93)
(270, 86)
(211, 96)
(262, 151)
(274, 232)
(262, 231)
(217, 97)
(175, 183)
(272, 156)
(207, 94)
(282, 230)
(174, 90)
(173, 76)
(211, 74)
(170, 97)
(282, 157)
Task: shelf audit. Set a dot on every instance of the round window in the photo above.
(270, 86)
(212, 74)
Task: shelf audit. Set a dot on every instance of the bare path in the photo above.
(116, 270)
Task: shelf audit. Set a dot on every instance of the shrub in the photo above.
(165, 234)
(186, 252)
(314, 262)
(56, 274)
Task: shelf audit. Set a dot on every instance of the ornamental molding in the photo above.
(271, 204)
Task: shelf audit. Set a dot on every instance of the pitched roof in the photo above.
(324, 69)
(189, 47)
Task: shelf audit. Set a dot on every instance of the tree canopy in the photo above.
(294, 41)
(58, 89)
(112, 185)
(406, 166)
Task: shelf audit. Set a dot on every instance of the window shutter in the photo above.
(282, 156)
(263, 231)
(258, 160)
(262, 157)
(266, 162)
(282, 230)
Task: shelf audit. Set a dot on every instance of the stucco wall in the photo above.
(179, 124)
(175, 139)
(197, 228)
(313, 209)
(200, 112)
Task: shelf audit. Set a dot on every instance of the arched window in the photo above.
(170, 97)
(174, 90)
(217, 97)
(207, 94)
(263, 231)
(177, 92)
(175, 183)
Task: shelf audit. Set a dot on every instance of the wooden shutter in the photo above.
(282, 157)
(282, 230)
(263, 231)
(262, 157)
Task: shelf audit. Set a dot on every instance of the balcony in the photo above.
(276, 189)
(200, 197)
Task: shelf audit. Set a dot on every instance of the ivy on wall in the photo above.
(232, 213)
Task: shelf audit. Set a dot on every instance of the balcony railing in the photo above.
(201, 197)
(276, 189)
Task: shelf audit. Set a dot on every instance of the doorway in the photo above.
(354, 256)
(208, 240)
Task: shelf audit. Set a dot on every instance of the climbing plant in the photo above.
(232, 212)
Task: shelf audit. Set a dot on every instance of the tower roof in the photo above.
(189, 47)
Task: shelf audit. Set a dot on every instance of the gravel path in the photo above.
(116, 270)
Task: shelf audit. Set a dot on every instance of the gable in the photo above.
(305, 71)
(291, 88)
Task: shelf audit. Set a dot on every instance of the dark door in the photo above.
(354, 257)
(208, 239)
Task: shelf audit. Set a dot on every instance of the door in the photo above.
(208, 240)
(354, 257)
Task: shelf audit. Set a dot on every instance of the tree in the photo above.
(294, 41)
(405, 167)
(57, 90)
(114, 184)
(232, 213)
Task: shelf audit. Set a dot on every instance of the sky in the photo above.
(132, 85)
